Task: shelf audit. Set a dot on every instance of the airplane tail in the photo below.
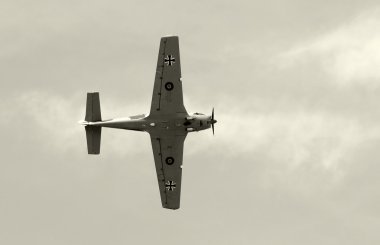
(93, 133)
(93, 108)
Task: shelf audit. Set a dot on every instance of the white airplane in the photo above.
(167, 123)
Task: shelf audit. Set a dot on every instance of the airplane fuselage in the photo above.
(191, 123)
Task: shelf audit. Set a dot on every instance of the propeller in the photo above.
(213, 121)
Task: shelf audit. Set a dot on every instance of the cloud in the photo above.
(52, 118)
(305, 144)
(350, 53)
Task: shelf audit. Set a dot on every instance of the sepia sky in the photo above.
(295, 158)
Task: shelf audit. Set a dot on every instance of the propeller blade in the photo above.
(213, 121)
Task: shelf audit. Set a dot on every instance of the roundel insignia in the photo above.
(169, 160)
(169, 86)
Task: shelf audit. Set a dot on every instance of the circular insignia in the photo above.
(169, 86)
(169, 160)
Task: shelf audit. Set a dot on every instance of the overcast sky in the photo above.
(295, 159)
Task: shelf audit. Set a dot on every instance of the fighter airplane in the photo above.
(167, 123)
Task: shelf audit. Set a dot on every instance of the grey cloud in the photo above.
(349, 53)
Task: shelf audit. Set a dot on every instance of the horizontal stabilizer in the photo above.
(93, 108)
(93, 135)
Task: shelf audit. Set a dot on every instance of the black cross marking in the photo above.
(169, 60)
(170, 185)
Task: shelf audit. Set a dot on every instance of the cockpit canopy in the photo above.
(197, 113)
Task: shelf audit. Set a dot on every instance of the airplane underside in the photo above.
(167, 123)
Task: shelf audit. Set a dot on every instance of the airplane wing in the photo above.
(168, 155)
(167, 92)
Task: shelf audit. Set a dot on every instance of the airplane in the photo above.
(167, 123)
